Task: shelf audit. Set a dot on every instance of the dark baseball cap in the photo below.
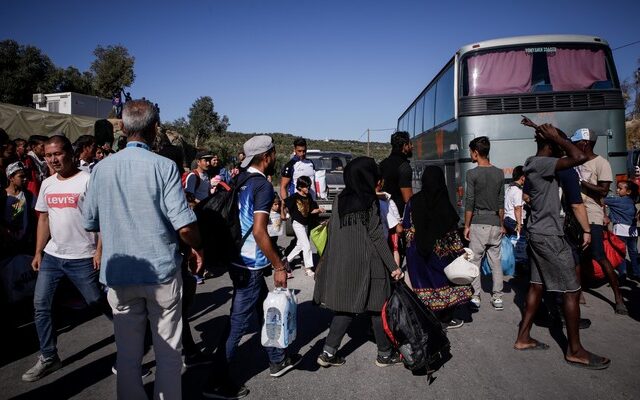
(203, 154)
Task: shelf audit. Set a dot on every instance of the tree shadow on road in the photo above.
(629, 289)
(22, 335)
(631, 293)
(543, 317)
(74, 382)
(251, 359)
(206, 302)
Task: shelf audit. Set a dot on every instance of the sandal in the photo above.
(537, 346)
(595, 362)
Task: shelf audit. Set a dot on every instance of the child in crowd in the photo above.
(275, 227)
(391, 220)
(17, 222)
(300, 206)
(515, 214)
(622, 212)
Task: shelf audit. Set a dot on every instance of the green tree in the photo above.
(179, 125)
(72, 80)
(204, 120)
(631, 94)
(24, 70)
(112, 70)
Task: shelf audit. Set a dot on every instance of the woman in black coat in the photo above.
(355, 273)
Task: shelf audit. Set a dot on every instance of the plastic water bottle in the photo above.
(279, 327)
(273, 326)
(292, 316)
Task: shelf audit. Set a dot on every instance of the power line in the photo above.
(375, 130)
(626, 45)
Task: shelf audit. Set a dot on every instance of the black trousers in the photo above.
(340, 324)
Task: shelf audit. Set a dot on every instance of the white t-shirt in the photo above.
(204, 187)
(305, 168)
(62, 200)
(513, 199)
(389, 214)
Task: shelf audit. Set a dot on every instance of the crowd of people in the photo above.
(124, 223)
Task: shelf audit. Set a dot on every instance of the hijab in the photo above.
(360, 178)
(432, 213)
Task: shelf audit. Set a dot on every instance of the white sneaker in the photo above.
(496, 302)
(309, 272)
(475, 301)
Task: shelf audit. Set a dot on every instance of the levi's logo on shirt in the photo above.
(63, 200)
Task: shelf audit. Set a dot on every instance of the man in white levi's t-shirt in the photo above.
(63, 248)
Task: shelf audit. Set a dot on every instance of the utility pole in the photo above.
(368, 132)
(368, 142)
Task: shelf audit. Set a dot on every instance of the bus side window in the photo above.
(602, 85)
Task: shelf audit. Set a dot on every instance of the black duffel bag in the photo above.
(413, 329)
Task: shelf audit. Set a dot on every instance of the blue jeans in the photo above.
(632, 249)
(520, 249)
(52, 269)
(249, 292)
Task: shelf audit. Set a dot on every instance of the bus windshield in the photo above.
(531, 68)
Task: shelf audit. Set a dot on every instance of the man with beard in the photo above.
(396, 170)
(254, 262)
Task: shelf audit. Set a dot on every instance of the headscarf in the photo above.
(432, 213)
(360, 178)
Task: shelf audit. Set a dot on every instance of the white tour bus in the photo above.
(569, 81)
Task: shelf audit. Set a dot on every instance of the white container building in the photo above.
(73, 104)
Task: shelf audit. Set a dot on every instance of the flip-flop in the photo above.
(537, 346)
(621, 309)
(595, 362)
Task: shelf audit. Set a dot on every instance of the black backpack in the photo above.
(219, 224)
(413, 329)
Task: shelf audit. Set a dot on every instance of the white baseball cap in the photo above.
(584, 134)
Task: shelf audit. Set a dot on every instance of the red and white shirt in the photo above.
(62, 200)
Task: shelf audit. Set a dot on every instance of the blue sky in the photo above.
(319, 69)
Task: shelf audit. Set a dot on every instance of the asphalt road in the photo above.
(484, 364)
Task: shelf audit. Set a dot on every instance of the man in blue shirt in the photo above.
(135, 199)
(249, 269)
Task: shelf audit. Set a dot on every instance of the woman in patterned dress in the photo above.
(430, 223)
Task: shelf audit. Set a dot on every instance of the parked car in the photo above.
(329, 180)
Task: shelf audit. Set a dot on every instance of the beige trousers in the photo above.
(161, 305)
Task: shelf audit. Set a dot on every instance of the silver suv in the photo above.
(332, 163)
